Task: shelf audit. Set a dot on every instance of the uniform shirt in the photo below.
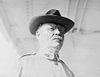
(40, 66)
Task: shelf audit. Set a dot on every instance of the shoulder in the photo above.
(27, 59)
(28, 55)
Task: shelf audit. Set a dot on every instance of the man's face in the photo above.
(50, 34)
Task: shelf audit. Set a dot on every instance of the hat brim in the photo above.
(36, 21)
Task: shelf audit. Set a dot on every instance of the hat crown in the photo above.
(53, 12)
(52, 16)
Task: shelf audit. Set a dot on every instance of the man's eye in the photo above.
(51, 29)
(62, 30)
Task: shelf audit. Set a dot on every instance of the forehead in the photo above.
(50, 25)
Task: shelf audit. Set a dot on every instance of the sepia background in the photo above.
(81, 49)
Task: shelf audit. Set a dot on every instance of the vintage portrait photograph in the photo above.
(49, 38)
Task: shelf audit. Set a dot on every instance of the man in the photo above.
(49, 30)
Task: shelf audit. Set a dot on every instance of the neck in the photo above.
(48, 52)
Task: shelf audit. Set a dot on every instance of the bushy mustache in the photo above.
(57, 37)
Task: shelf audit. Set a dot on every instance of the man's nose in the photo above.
(57, 31)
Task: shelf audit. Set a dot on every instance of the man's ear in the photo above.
(37, 34)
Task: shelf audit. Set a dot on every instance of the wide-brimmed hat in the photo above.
(52, 16)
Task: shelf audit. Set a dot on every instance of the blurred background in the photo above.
(82, 44)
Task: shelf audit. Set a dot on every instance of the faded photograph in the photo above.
(49, 38)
